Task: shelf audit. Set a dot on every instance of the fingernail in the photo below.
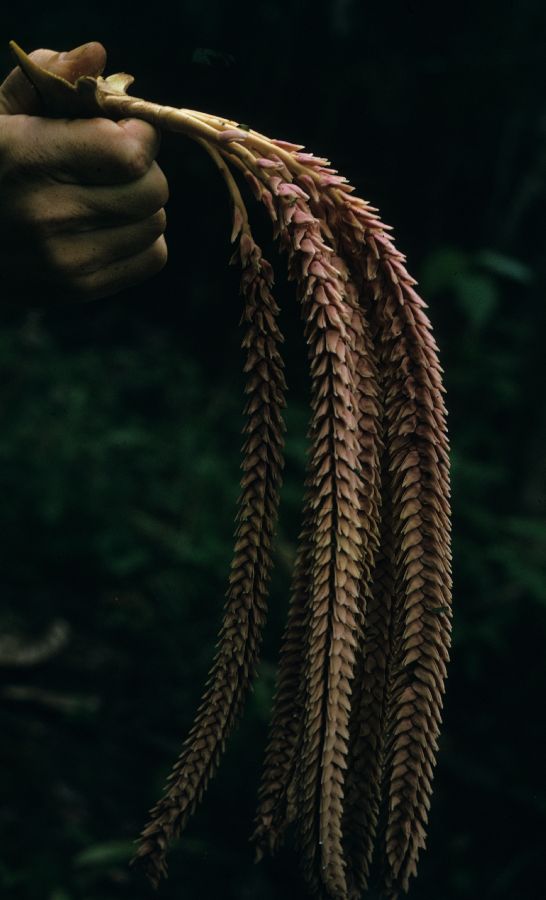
(71, 55)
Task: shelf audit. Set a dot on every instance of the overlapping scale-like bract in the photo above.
(276, 796)
(419, 475)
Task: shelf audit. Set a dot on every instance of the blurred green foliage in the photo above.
(120, 433)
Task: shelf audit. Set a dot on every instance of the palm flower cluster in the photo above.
(357, 709)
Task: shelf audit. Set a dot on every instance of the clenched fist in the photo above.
(81, 201)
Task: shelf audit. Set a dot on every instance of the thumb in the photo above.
(18, 95)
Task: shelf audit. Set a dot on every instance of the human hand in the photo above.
(81, 200)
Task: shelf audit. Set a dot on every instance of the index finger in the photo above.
(87, 151)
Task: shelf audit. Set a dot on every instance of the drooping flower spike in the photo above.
(357, 709)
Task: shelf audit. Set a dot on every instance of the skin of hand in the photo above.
(81, 200)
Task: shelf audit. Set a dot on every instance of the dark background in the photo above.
(120, 432)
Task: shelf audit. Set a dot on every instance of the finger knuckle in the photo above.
(158, 255)
(43, 222)
(159, 222)
(137, 160)
(61, 263)
(88, 283)
(162, 187)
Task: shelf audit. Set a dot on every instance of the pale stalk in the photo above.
(231, 184)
